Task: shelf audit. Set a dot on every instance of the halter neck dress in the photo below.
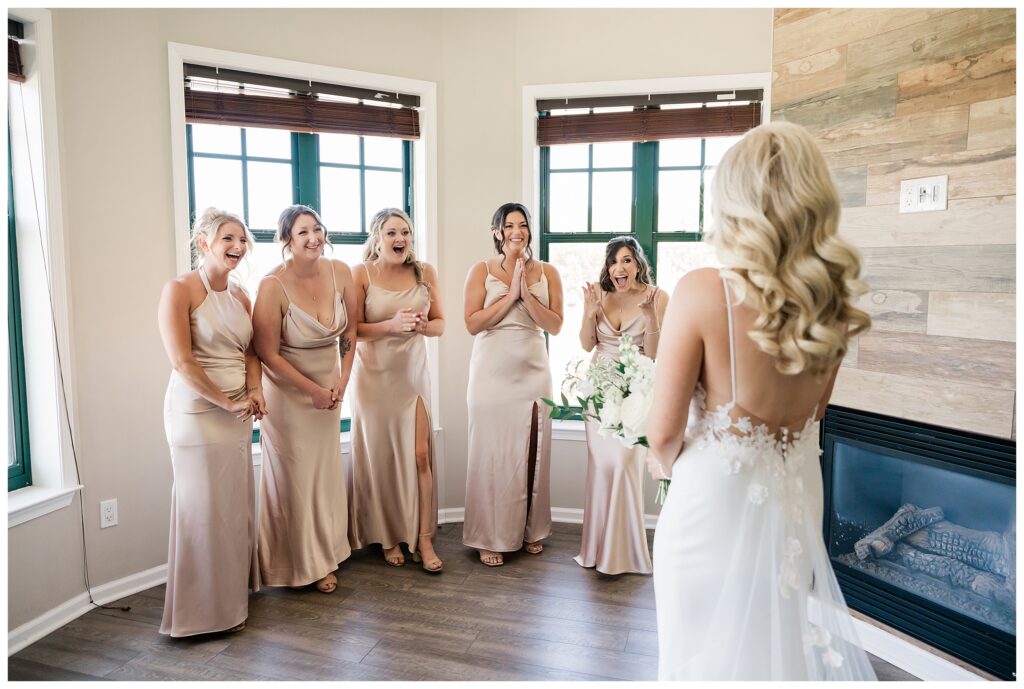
(743, 584)
(303, 507)
(508, 497)
(211, 559)
(389, 377)
(614, 532)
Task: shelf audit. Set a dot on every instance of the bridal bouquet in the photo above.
(616, 394)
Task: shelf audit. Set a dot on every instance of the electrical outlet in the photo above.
(108, 513)
(923, 194)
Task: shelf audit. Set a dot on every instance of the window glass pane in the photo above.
(383, 190)
(569, 156)
(270, 191)
(614, 154)
(339, 199)
(577, 263)
(382, 151)
(352, 254)
(716, 147)
(268, 143)
(216, 138)
(709, 175)
(218, 183)
(613, 202)
(568, 202)
(261, 258)
(675, 259)
(679, 201)
(678, 152)
(339, 148)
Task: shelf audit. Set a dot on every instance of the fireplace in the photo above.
(920, 525)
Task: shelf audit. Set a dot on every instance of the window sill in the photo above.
(257, 453)
(568, 430)
(26, 504)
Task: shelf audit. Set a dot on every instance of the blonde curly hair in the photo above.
(775, 216)
(205, 228)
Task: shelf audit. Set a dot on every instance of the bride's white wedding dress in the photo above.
(743, 585)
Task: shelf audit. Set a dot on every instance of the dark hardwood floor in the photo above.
(540, 617)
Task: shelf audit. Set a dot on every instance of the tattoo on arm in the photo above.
(344, 344)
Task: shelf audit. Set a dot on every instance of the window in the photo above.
(256, 172)
(592, 192)
(19, 469)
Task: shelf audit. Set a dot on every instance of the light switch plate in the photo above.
(923, 194)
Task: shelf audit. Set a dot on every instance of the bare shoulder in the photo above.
(550, 270)
(270, 286)
(183, 289)
(429, 272)
(342, 271)
(699, 290)
(478, 271)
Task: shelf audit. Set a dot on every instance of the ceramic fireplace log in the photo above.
(908, 519)
(980, 549)
(955, 572)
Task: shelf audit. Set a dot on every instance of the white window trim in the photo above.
(424, 159)
(532, 93)
(53, 471)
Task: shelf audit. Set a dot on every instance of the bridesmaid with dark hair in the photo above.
(510, 301)
(305, 337)
(213, 393)
(623, 302)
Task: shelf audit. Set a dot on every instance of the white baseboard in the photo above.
(910, 657)
(563, 515)
(54, 619)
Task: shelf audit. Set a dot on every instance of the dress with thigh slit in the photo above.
(303, 508)
(508, 376)
(614, 533)
(389, 378)
(211, 561)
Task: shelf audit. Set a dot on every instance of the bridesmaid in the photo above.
(305, 337)
(212, 395)
(393, 482)
(511, 300)
(625, 302)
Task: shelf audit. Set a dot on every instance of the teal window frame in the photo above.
(644, 218)
(306, 165)
(19, 474)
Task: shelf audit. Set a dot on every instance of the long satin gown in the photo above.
(388, 378)
(743, 585)
(211, 558)
(303, 507)
(508, 376)
(614, 536)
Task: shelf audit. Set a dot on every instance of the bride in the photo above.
(743, 585)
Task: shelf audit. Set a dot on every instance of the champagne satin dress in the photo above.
(508, 376)
(303, 508)
(211, 558)
(388, 377)
(614, 537)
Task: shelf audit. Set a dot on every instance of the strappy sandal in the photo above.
(533, 548)
(326, 586)
(396, 555)
(496, 559)
(416, 557)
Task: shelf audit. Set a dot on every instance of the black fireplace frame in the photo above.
(981, 645)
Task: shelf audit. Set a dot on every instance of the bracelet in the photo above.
(652, 332)
(258, 388)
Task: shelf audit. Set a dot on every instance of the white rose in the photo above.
(635, 410)
(611, 413)
(584, 388)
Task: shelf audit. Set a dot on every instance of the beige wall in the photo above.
(116, 167)
(899, 94)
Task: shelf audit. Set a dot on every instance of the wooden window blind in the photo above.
(15, 69)
(296, 105)
(708, 116)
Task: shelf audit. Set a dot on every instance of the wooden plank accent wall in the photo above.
(894, 94)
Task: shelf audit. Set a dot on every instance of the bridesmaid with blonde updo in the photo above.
(623, 302)
(305, 336)
(212, 396)
(393, 482)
